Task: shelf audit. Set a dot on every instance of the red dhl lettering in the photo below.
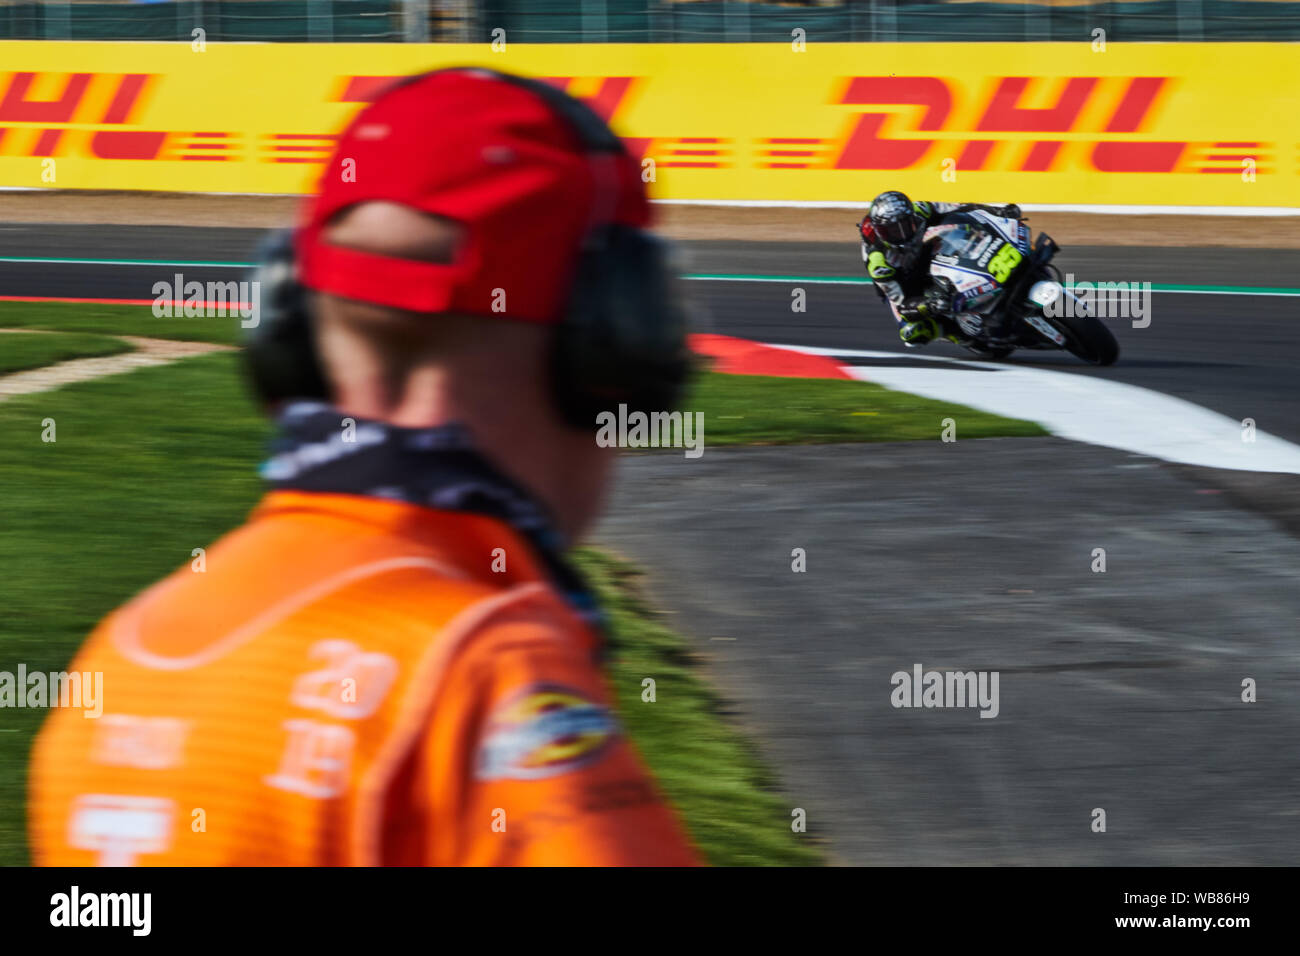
(78, 100)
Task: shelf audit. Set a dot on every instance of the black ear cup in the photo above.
(623, 338)
(279, 352)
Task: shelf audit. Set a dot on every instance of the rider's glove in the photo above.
(913, 307)
(916, 324)
(938, 301)
(1011, 211)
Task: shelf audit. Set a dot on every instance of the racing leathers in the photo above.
(901, 273)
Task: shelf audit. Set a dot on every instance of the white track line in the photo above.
(1086, 409)
(1104, 210)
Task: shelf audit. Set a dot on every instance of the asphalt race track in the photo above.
(1119, 690)
(1233, 354)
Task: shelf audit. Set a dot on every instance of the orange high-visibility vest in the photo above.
(347, 681)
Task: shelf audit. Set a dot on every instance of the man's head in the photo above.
(475, 244)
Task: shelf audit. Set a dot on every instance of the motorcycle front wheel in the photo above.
(990, 354)
(1088, 338)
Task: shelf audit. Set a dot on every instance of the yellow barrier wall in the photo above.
(1175, 124)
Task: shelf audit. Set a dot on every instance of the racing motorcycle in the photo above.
(1006, 294)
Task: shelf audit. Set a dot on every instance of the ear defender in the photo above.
(279, 352)
(623, 340)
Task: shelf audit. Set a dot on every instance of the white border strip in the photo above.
(1083, 408)
(1101, 210)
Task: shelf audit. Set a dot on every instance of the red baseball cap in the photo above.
(471, 146)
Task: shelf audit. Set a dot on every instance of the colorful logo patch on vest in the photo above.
(543, 731)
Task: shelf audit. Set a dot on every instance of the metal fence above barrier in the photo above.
(650, 21)
(320, 21)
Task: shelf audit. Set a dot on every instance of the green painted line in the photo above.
(1224, 289)
(864, 280)
(697, 277)
(808, 280)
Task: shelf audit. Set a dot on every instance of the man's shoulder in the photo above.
(469, 615)
(529, 618)
(262, 582)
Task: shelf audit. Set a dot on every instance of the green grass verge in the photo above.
(20, 351)
(117, 320)
(764, 410)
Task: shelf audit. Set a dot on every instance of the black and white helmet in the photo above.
(895, 219)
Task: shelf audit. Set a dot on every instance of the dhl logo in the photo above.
(90, 114)
(1094, 113)
(38, 113)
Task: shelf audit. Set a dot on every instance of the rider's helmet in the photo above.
(894, 219)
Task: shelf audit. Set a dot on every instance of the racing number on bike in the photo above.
(1007, 258)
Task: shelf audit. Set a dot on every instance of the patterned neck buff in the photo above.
(435, 467)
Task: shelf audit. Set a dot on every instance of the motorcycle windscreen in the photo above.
(961, 257)
(1013, 230)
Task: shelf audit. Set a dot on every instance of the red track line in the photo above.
(174, 304)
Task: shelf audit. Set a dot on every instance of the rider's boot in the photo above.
(918, 332)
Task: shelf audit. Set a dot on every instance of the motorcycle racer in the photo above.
(893, 254)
